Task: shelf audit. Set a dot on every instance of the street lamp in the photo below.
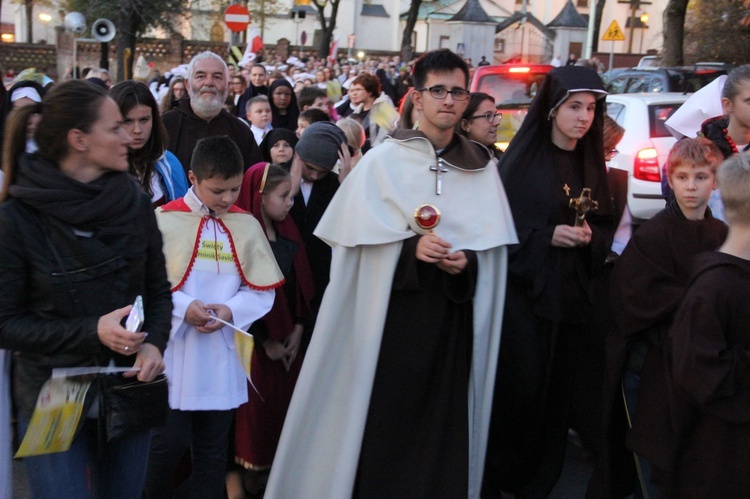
(644, 25)
(360, 56)
(45, 18)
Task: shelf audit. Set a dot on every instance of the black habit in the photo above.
(548, 295)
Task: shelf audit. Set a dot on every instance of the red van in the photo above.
(513, 86)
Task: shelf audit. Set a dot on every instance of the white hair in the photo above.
(203, 56)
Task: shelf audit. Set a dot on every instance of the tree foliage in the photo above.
(715, 32)
(132, 18)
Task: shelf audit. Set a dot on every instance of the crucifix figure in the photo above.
(566, 189)
(582, 205)
(439, 170)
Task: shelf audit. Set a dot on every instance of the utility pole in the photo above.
(634, 6)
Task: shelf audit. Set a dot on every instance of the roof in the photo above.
(447, 9)
(427, 8)
(568, 17)
(519, 17)
(308, 9)
(374, 10)
(472, 12)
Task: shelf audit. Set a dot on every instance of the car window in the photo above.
(617, 85)
(657, 115)
(616, 111)
(637, 84)
(656, 84)
(511, 89)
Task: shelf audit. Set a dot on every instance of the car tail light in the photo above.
(646, 165)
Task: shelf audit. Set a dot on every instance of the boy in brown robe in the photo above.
(649, 282)
(708, 357)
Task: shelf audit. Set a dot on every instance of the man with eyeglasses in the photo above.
(394, 396)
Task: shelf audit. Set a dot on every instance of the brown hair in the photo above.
(475, 99)
(70, 105)
(129, 94)
(166, 102)
(14, 143)
(369, 82)
(694, 153)
(275, 175)
(612, 134)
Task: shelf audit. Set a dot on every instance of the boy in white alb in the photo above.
(218, 263)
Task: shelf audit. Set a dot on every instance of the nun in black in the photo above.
(555, 155)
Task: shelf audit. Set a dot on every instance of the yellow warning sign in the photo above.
(614, 33)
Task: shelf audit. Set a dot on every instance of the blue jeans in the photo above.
(115, 471)
(206, 434)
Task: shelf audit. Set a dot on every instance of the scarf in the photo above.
(112, 200)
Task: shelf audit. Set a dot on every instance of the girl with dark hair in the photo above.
(177, 90)
(284, 107)
(157, 170)
(275, 366)
(480, 120)
(554, 157)
(25, 93)
(78, 243)
(278, 147)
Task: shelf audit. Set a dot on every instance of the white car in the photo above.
(645, 146)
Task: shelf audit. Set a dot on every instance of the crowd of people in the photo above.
(353, 293)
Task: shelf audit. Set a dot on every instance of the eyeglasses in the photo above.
(440, 92)
(491, 118)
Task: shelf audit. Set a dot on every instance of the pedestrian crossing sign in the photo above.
(614, 33)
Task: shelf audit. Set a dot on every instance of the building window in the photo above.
(500, 45)
(520, 2)
(445, 42)
(584, 4)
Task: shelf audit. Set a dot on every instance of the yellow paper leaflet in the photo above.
(55, 419)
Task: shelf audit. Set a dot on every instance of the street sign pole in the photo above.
(613, 34)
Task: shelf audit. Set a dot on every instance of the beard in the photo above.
(207, 103)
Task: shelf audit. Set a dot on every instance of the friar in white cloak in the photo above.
(394, 397)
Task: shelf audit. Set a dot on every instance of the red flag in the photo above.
(256, 42)
(334, 49)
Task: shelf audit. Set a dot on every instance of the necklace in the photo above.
(731, 142)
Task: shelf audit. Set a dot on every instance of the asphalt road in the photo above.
(572, 485)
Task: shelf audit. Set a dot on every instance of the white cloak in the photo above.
(366, 222)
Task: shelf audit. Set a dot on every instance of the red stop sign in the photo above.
(237, 18)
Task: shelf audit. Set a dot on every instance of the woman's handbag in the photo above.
(132, 405)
